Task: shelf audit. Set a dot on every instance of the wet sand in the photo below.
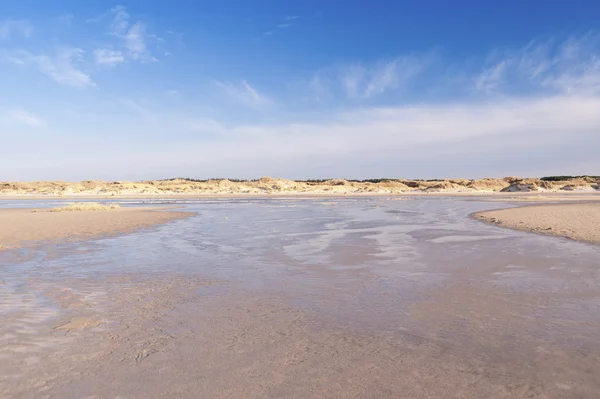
(368, 298)
(576, 221)
(24, 227)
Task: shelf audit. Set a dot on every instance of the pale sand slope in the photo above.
(576, 221)
(23, 227)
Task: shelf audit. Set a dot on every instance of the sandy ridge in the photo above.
(275, 186)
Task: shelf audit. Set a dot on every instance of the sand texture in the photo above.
(25, 227)
(576, 221)
(322, 298)
(268, 185)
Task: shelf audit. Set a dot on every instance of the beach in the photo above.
(317, 200)
(575, 221)
(23, 227)
(301, 298)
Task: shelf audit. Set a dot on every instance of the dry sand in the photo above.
(24, 227)
(576, 221)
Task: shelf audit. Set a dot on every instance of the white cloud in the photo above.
(400, 128)
(63, 66)
(287, 25)
(133, 37)
(292, 17)
(244, 93)
(9, 28)
(367, 81)
(135, 42)
(120, 20)
(571, 65)
(23, 117)
(517, 136)
(108, 57)
(131, 40)
(491, 78)
(534, 108)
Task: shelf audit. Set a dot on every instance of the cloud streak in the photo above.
(26, 118)
(366, 81)
(571, 65)
(244, 93)
(63, 65)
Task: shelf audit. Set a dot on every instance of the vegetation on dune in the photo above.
(266, 185)
(193, 180)
(566, 178)
(309, 181)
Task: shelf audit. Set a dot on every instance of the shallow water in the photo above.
(420, 266)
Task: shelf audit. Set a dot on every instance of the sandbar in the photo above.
(579, 222)
(24, 227)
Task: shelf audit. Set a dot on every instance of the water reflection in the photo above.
(330, 255)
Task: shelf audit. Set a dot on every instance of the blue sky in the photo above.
(302, 89)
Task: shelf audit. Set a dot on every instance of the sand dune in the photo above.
(274, 186)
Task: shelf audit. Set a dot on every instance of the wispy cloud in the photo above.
(120, 20)
(570, 65)
(108, 57)
(63, 65)
(244, 93)
(491, 78)
(135, 43)
(288, 22)
(68, 65)
(361, 81)
(133, 37)
(541, 67)
(10, 28)
(138, 108)
(27, 118)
